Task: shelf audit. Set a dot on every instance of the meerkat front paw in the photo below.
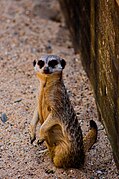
(32, 138)
(32, 133)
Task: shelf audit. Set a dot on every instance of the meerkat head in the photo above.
(49, 64)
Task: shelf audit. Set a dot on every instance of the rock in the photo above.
(3, 117)
(99, 172)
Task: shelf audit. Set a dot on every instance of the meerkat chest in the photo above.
(44, 108)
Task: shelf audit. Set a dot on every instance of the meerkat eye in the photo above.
(41, 63)
(53, 63)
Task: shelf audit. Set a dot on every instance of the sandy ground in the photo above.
(28, 29)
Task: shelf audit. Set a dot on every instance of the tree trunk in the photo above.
(94, 29)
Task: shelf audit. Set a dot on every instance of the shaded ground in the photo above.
(29, 29)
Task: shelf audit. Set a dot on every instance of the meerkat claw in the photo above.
(32, 139)
(39, 142)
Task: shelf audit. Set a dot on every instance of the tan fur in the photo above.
(89, 139)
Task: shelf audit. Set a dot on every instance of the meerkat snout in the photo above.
(46, 70)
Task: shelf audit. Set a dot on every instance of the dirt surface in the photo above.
(29, 29)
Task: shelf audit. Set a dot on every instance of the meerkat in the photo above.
(59, 128)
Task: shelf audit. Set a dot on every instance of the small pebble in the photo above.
(99, 172)
(91, 177)
(48, 47)
(18, 100)
(3, 117)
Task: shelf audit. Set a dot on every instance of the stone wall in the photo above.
(94, 29)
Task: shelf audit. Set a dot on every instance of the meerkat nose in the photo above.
(46, 70)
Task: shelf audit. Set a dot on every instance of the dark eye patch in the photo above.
(41, 63)
(52, 63)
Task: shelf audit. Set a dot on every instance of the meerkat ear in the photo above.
(34, 63)
(63, 63)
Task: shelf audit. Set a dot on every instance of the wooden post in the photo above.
(94, 29)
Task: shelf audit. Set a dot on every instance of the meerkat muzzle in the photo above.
(46, 70)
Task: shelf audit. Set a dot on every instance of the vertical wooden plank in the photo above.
(94, 28)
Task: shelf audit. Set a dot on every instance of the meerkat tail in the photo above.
(91, 137)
